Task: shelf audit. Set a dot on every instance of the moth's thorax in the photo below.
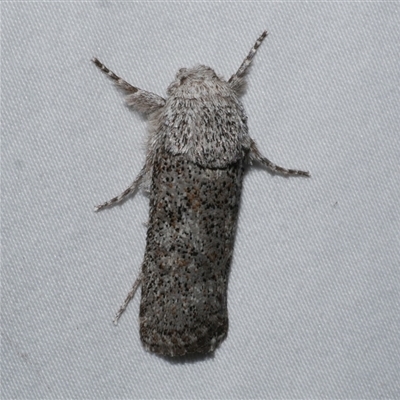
(204, 119)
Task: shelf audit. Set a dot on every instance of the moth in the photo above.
(197, 150)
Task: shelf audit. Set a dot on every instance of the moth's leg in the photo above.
(142, 100)
(132, 188)
(257, 156)
(129, 297)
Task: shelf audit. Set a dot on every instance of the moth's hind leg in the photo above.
(129, 297)
(257, 156)
(132, 188)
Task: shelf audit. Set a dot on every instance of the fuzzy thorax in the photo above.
(204, 119)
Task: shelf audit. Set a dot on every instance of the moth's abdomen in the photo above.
(193, 215)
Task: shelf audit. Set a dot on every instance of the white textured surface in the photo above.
(315, 281)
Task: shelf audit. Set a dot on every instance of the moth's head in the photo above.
(197, 82)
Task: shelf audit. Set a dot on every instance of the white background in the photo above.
(314, 286)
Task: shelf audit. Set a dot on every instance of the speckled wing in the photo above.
(193, 217)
